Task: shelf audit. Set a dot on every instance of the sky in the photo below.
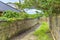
(5, 1)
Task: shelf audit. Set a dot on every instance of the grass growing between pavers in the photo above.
(43, 32)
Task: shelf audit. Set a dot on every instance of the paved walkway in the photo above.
(28, 35)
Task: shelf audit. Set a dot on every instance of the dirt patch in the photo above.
(29, 36)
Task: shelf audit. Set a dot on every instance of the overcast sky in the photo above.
(9, 1)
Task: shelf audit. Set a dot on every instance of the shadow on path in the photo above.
(27, 35)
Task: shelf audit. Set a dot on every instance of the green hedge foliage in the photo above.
(9, 15)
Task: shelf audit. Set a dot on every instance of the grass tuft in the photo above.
(43, 32)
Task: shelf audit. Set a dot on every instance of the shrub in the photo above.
(3, 19)
(24, 15)
(10, 14)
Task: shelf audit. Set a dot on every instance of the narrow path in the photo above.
(28, 35)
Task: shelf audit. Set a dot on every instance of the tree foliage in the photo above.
(46, 5)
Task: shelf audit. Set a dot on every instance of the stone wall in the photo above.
(55, 26)
(9, 29)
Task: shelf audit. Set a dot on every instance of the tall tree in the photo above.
(46, 5)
